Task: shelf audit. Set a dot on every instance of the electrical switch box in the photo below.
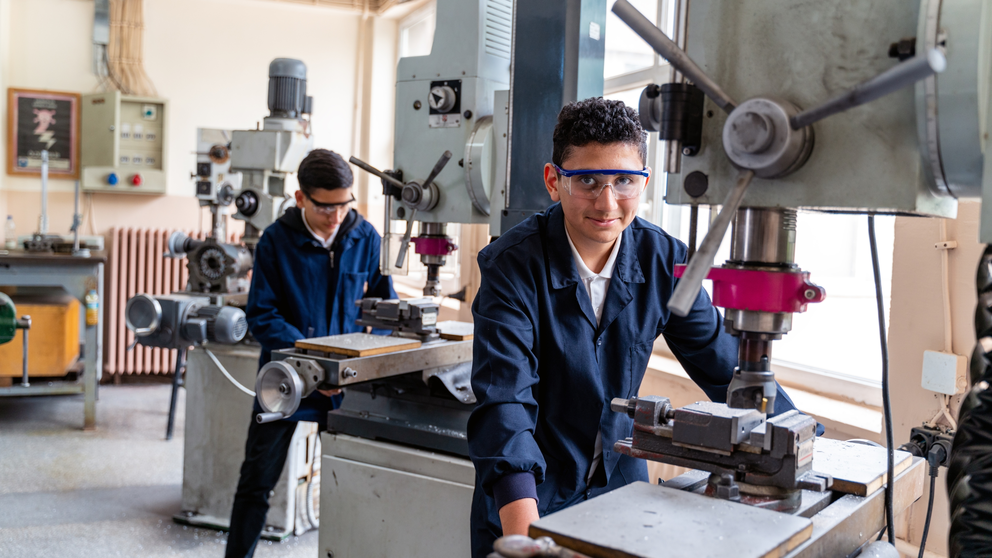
(123, 143)
(944, 373)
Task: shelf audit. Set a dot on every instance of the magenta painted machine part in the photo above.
(433, 246)
(762, 291)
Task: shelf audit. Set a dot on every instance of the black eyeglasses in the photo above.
(329, 208)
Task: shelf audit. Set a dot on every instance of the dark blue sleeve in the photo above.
(504, 375)
(265, 321)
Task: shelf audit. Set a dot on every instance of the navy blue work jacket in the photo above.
(299, 289)
(544, 372)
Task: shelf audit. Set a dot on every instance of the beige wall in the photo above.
(916, 325)
(210, 59)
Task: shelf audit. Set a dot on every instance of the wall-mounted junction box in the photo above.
(123, 144)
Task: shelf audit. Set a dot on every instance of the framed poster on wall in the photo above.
(40, 120)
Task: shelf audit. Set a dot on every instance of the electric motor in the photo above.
(288, 88)
(179, 320)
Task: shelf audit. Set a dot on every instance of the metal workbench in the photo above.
(77, 276)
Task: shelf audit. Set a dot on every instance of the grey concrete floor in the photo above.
(110, 492)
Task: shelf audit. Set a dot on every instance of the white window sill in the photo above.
(842, 419)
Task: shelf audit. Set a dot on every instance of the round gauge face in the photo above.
(442, 98)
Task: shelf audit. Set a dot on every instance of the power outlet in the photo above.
(923, 438)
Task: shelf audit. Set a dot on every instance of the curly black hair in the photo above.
(325, 169)
(597, 120)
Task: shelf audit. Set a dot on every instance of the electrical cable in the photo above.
(926, 524)
(886, 401)
(110, 74)
(227, 375)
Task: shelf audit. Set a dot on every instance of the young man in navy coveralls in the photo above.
(310, 267)
(571, 302)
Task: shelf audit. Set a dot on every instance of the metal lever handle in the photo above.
(370, 169)
(889, 81)
(262, 418)
(699, 266)
(405, 245)
(670, 51)
(438, 167)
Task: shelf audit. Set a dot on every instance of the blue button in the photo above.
(112, 179)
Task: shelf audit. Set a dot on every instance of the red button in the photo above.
(136, 180)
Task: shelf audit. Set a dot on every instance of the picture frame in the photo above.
(37, 120)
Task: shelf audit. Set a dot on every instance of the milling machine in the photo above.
(907, 151)
(243, 170)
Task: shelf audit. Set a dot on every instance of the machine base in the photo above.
(383, 499)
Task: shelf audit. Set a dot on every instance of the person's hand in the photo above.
(517, 516)
(329, 392)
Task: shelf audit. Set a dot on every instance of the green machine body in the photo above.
(8, 319)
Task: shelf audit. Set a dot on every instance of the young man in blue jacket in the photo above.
(310, 267)
(571, 302)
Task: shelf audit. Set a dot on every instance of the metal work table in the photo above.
(77, 276)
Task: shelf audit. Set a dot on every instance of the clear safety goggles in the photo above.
(330, 208)
(590, 183)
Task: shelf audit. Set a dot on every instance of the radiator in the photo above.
(138, 266)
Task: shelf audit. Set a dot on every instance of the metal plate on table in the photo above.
(857, 469)
(641, 520)
(456, 331)
(358, 344)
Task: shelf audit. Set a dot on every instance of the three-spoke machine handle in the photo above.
(889, 81)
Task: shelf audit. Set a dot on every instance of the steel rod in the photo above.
(24, 361)
(43, 220)
(369, 168)
(670, 51)
(699, 266)
(889, 81)
(405, 243)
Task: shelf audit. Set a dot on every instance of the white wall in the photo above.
(210, 59)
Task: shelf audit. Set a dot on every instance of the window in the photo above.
(417, 32)
(625, 51)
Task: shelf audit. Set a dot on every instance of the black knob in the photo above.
(247, 203)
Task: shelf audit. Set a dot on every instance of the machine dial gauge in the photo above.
(442, 98)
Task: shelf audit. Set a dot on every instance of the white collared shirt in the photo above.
(325, 243)
(597, 284)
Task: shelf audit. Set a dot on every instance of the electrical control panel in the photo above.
(123, 143)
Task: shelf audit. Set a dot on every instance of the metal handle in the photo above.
(262, 418)
(405, 245)
(889, 81)
(670, 51)
(438, 167)
(699, 266)
(369, 168)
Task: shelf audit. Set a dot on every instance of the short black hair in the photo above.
(597, 120)
(324, 169)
